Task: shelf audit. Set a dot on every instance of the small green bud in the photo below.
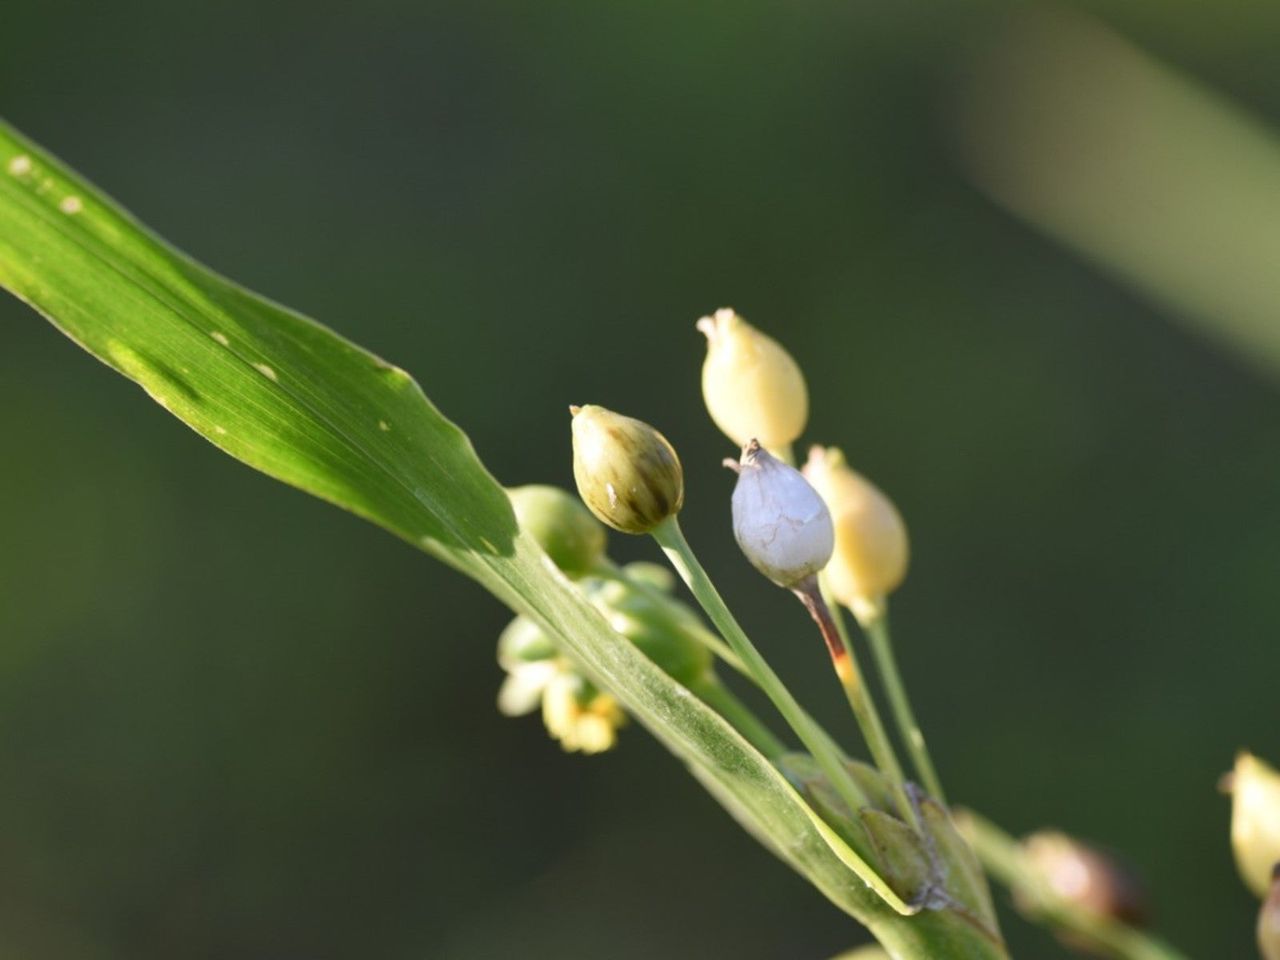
(652, 575)
(561, 526)
(627, 473)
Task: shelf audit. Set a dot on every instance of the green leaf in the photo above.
(291, 398)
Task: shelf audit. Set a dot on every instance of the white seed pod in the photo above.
(779, 521)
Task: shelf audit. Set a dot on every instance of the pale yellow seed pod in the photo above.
(752, 387)
(872, 550)
(1255, 820)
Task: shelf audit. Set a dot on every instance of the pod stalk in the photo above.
(877, 631)
(673, 543)
(864, 709)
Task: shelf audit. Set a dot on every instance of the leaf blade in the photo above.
(278, 391)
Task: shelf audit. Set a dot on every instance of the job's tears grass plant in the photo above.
(594, 643)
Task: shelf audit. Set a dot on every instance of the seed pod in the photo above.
(1269, 920)
(627, 473)
(560, 525)
(779, 520)
(871, 551)
(1255, 820)
(1084, 877)
(752, 387)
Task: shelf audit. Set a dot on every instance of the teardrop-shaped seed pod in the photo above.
(779, 520)
(627, 473)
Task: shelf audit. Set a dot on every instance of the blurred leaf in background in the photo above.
(1143, 170)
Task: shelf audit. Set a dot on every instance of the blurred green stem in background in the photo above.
(1003, 858)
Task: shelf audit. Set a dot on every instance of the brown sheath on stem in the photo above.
(809, 594)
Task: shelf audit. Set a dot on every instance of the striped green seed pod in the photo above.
(627, 473)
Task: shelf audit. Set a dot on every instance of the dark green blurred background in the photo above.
(235, 722)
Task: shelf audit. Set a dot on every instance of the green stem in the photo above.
(607, 569)
(721, 699)
(722, 650)
(1002, 857)
(671, 538)
(850, 676)
(887, 664)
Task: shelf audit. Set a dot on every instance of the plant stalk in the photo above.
(845, 664)
(672, 540)
(877, 631)
(608, 570)
(711, 640)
